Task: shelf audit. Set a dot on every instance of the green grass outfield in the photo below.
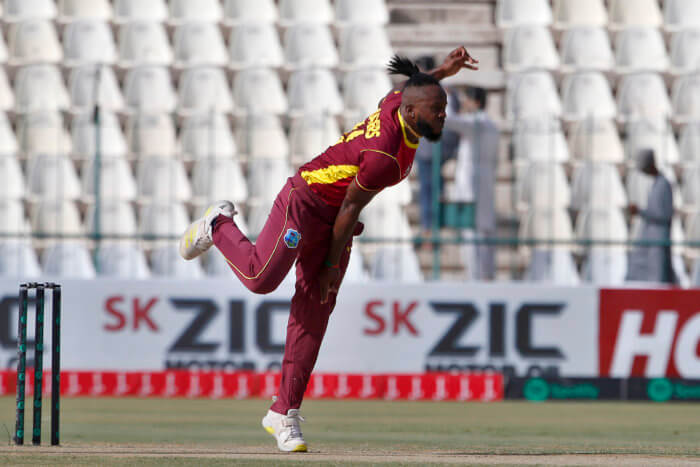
(106, 431)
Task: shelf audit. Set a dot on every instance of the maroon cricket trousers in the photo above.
(297, 215)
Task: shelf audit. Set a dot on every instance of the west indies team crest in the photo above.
(292, 238)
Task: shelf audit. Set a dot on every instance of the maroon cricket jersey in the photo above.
(376, 153)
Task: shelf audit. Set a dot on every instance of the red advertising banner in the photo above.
(649, 333)
(242, 385)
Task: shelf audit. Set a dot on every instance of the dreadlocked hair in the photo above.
(403, 66)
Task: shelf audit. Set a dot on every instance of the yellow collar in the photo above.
(405, 125)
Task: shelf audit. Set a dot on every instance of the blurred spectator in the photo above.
(475, 179)
(653, 263)
(424, 156)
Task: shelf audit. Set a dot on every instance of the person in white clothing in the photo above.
(475, 179)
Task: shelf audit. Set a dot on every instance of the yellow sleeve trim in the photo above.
(403, 130)
(329, 175)
(357, 182)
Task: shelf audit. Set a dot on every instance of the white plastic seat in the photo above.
(84, 137)
(249, 11)
(364, 46)
(587, 95)
(21, 10)
(4, 54)
(605, 265)
(206, 136)
(640, 49)
(311, 135)
(625, 13)
(261, 135)
(143, 43)
(42, 133)
(82, 85)
(167, 262)
(265, 178)
(586, 48)
(219, 179)
(686, 98)
(259, 91)
(314, 91)
(162, 178)
(56, 217)
(34, 41)
(642, 96)
(539, 139)
(88, 41)
(52, 176)
(69, 259)
(198, 44)
(685, 51)
(691, 188)
(396, 263)
(8, 142)
(40, 88)
(529, 47)
(596, 141)
(255, 45)
(126, 11)
(115, 180)
(122, 260)
(7, 97)
(681, 14)
(305, 11)
(187, 11)
(511, 13)
(549, 225)
(543, 185)
(14, 220)
(362, 91)
(361, 12)
(149, 89)
(162, 219)
(652, 134)
(532, 94)
(604, 224)
(552, 265)
(689, 145)
(151, 135)
(384, 218)
(573, 13)
(18, 259)
(204, 89)
(308, 45)
(12, 184)
(596, 186)
(115, 218)
(74, 10)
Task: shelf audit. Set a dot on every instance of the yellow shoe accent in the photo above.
(270, 430)
(300, 448)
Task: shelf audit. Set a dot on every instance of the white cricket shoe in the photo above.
(197, 238)
(286, 430)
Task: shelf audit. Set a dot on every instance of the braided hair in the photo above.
(403, 66)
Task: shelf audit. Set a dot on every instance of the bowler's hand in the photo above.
(457, 59)
(328, 279)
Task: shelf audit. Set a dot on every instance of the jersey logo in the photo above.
(292, 238)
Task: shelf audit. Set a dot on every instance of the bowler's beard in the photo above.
(426, 131)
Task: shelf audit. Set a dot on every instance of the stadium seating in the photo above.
(539, 139)
(586, 48)
(187, 11)
(681, 14)
(199, 44)
(625, 13)
(214, 179)
(52, 177)
(543, 185)
(255, 45)
(122, 260)
(84, 140)
(116, 218)
(34, 41)
(259, 90)
(12, 184)
(308, 45)
(573, 13)
(68, 259)
(360, 12)
(642, 95)
(204, 89)
(314, 91)
(114, 178)
(74, 10)
(91, 85)
(532, 94)
(53, 217)
(640, 49)
(686, 98)
(162, 179)
(206, 136)
(597, 185)
(40, 88)
(143, 43)
(88, 41)
(685, 51)
(529, 47)
(310, 134)
(237, 12)
(305, 11)
(149, 89)
(596, 141)
(7, 97)
(42, 133)
(364, 46)
(18, 260)
(126, 11)
(511, 13)
(587, 95)
(20, 10)
(151, 134)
